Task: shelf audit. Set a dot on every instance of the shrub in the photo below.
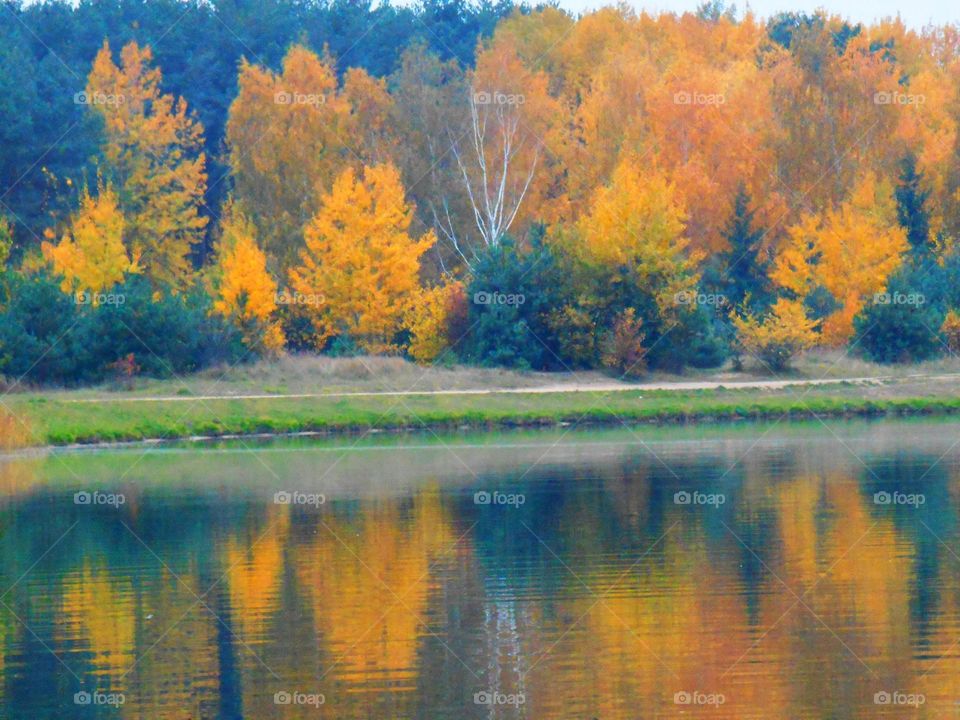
(951, 331)
(574, 332)
(775, 340)
(429, 321)
(623, 350)
(46, 336)
(38, 340)
(510, 296)
(168, 334)
(902, 324)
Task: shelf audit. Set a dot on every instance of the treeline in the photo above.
(506, 186)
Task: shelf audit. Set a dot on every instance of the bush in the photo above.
(167, 334)
(511, 296)
(429, 321)
(46, 336)
(38, 340)
(623, 350)
(902, 325)
(776, 339)
(951, 331)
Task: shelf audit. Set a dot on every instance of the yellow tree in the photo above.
(290, 134)
(92, 255)
(153, 152)
(849, 251)
(638, 221)
(245, 292)
(361, 259)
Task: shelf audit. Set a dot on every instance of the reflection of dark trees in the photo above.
(902, 472)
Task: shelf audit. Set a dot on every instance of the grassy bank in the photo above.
(59, 421)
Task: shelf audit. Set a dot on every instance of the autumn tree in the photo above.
(92, 255)
(849, 252)
(432, 319)
(776, 338)
(152, 150)
(500, 153)
(637, 221)
(361, 259)
(428, 99)
(290, 134)
(245, 293)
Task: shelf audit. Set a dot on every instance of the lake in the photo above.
(753, 571)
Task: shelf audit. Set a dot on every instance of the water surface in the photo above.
(757, 571)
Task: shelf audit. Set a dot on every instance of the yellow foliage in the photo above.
(428, 320)
(850, 251)
(290, 134)
(638, 221)
(361, 259)
(951, 331)
(246, 293)
(153, 150)
(92, 255)
(6, 241)
(777, 338)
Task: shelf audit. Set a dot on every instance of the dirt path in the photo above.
(564, 388)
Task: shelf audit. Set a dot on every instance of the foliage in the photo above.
(637, 221)
(153, 152)
(778, 337)
(511, 294)
(902, 324)
(92, 255)
(624, 352)
(740, 273)
(6, 242)
(245, 292)
(849, 252)
(47, 336)
(431, 321)
(361, 259)
(951, 331)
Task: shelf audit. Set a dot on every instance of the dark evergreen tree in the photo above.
(911, 207)
(740, 272)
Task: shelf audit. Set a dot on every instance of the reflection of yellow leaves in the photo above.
(99, 612)
(354, 580)
(253, 576)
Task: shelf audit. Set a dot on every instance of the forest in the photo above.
(185, 184)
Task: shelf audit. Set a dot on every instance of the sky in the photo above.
(915, 13)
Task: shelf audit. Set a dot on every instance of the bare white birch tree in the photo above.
(497, 156)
